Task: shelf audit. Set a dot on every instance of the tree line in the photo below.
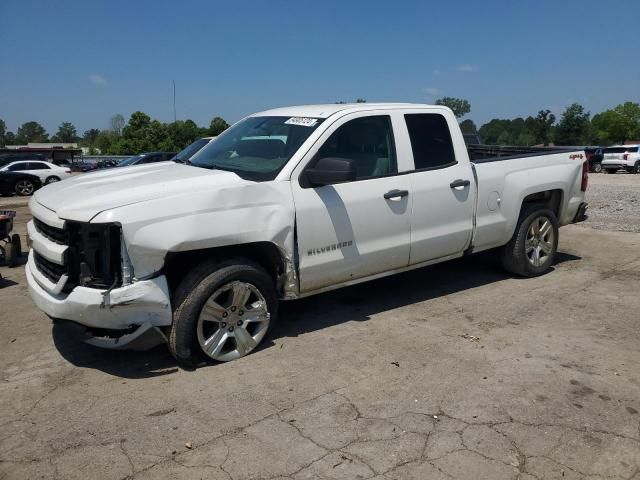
(142, 133)
(575, 126)
(139, 134)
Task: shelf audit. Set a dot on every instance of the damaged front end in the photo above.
(81, 272)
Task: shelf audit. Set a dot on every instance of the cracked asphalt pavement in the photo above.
(452, 371)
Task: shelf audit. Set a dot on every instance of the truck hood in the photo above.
(84, 196)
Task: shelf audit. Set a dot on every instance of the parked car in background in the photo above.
(621, 157)
(19, 183)
(183, 156)
(47, 172)
(594, 157)
(148, 157)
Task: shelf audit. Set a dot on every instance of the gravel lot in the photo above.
(452, 371)
(614, 202)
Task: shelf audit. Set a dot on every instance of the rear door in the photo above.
(350, 230)
(443, 188)
(39, 169)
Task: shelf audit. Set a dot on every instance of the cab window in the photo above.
(368, 141)
(430, 141)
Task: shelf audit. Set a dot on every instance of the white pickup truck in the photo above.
(284, 204)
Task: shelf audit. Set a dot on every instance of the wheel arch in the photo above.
(266, 254)
(550, 198)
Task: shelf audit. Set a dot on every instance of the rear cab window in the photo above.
(430, 141)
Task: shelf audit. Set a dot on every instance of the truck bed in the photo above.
(494, 153)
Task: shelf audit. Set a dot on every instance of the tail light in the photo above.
(585, 176)
(625, 156)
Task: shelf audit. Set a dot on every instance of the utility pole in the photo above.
(174, 101)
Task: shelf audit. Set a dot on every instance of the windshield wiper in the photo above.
(179, 160)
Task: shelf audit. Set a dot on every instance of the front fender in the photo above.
(245, 213)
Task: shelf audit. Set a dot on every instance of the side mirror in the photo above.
(331, 170)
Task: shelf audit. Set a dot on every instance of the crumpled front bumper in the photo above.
(144, 304)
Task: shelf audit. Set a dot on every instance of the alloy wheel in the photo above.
(539, 242)
(24, 187)
(233, 321)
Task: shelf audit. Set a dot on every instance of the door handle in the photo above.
(460, 183)
(395, 194)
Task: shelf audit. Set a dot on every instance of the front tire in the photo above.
(222, 311)
(24, 187)
(532, 249)
(597, 167)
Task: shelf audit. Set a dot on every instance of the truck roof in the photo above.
(326, 110)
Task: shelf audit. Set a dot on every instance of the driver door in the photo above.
(355, 229)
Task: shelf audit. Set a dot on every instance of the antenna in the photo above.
(174, 101)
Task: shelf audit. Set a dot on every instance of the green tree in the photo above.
(617, 125)
(105, 141)
(90, 136)
(460, 106)
(608, 128)
(492, 130)
(543, 126)
(217, 126)
(66, 133)
(10, 138)
(31, 132)
(574, 127)
(180, 134)
(467, 126)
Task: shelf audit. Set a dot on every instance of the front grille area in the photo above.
(92, 258)
(51, 270)
(56, 235)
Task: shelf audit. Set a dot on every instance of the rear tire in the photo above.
(51, 179)
(222, 311)
(532, 249)
(636, 168)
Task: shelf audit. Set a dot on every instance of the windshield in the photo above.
(257, 147)
(190, 150)
(129, 161)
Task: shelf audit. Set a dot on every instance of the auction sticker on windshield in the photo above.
(302, 121)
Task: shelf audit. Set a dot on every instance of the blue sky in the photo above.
(83, 61)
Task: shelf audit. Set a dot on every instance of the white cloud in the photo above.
(97, 79)
(431, 91)
(436, 71)
(466, 68)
